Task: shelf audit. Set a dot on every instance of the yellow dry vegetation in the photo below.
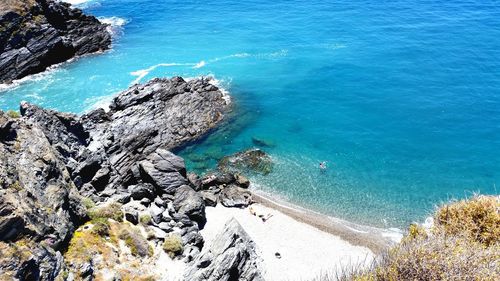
(15, 5)
(99, 241)
(464, 244)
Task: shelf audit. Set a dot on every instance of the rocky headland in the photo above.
(78, 192)
(35, 34)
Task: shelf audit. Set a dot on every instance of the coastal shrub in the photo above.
(464, 244)
(13, 114)
(109, 211)
(478, 218)
(138, 245)
(145, 219)
(173, 245)
(88, 203)
(100, 227)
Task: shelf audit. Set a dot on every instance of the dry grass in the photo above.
(464, 244)
(478, 219)
(173, 245)
(138, 245)
(15, 5)
(109, 211)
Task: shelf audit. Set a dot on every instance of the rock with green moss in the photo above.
(247, 162)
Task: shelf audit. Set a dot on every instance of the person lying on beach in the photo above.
(252, 211)
(265, 218)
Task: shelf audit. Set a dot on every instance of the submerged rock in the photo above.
(249, 161)
(232, 256)
(39, 33)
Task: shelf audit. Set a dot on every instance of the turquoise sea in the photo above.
(402, 98)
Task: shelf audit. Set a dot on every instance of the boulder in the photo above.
(140, 191)
(235, 196)
(242, 181)
(189, 203)
(209, 197)
(165, 170)
(231, 256)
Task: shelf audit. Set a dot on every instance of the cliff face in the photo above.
(36, 34)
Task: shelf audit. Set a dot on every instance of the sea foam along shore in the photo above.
(308, 243)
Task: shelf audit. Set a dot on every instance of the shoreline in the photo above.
(375, 239)
(288, 249)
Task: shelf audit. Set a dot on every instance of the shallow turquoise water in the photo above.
(402, 98)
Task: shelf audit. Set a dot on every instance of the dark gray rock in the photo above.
(140, 191)
(209, 197)
(235, 196)
(165, 170)
(132, 216)
(40, 33)
(189, 203)
(29, 262)
(241, 181)
(232, 256)
(36, 195)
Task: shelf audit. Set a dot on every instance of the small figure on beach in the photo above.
(263, 217)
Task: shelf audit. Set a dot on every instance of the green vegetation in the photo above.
(173, 245)
(145, 219)
(16, 186)
(138, 245)
(88, 203)
(109, 211)
(464, 244)
(100, 227)
(13, 114)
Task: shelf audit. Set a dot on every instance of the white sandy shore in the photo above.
(305, 250)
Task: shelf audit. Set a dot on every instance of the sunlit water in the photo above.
(402, 98)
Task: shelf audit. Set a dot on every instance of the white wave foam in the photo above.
(75, 2)
(100, 102)
(200, 64)
(222, 85)
(143, 72)
(115, 24)
(48, 73)
(394, 234)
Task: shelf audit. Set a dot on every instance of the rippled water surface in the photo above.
(402, 98)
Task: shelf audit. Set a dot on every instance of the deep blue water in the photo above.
(402, 98)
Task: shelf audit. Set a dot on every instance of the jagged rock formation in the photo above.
(232, 256)
(49, 158)
(107, 152)
(36, 34)
(38, 202)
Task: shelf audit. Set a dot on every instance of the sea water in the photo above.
(401, 98)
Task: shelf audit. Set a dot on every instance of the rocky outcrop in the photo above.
(37, 197)
(49, 159)
(36, 34)
(231, 256)
(106, 152)
(38, 202)
(247, 162)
